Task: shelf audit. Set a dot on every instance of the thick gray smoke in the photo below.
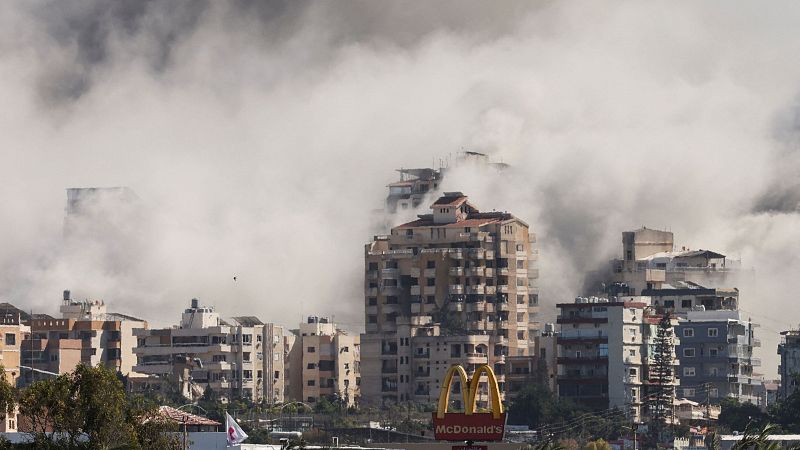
(259, 136)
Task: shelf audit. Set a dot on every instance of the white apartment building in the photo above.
(606, 353)
(240, 357)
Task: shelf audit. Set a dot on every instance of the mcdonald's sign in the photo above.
(469, 425)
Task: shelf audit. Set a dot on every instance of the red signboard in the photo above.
(470, 447)
(472, 427)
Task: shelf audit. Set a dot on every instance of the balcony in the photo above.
(429, 290)
(390, 290)
(456, 253)
(475, 306)
(372, 274)
(477, 253)
(755, 362)
(414, 272)
(503, 271)
(422, 354)
(429, 273)
(455, 306)
(502, 306)
(476, 358)
(372, 309)
(755, 342)
(489, 254)
(503, 289)
(390, 273)
(415, 290)
(422, 372)
(588, 335)
(533, 273)
(475, 271)
(488, 272)
(389, 369)
(371, 292)
(456, 271)
(456, 289)
(578, 360)
(426, 391)
(476, 289)
(491, 290)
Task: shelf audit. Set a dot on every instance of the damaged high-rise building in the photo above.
(455, 286)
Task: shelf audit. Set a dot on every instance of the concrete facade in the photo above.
(328, 366)
(606, 353)
(239, 357)
(716, 355)
(86, 334)
(456, 286)
(789, 351)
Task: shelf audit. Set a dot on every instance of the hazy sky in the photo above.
(260, 136)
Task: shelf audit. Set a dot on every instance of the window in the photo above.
(246, 356)
(712, 352)
(218, 358)
(431, 299)
(688, 332)
(688, 392)
(520, 248)
(345, 349)
(431, 264)
(686, 304)
(688, 371)
(520, 317)
(311, 382)
(713, 392)
(54, 357)
(372, 319)
(520, 335)
(520, 299)
(114, 353)
(669, 303)
(391, 300)
(311, 366)
(632, 352)
(247, 374)
(311, 349)
(713, 332)
(688, 353)
(372, 301)
(247, 338)
(520, 264)
(277, 374)
(520, 281)
(11, 339)
(430, 282)
(373, 266)
(632, 371)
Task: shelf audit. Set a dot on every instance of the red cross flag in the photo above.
(235, 433)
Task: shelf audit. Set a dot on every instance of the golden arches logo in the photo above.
(469, 390)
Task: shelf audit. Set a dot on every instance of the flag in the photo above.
(235, 433)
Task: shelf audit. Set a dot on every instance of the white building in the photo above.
(242, 357)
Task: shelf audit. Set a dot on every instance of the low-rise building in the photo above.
(789, 351)
(329, 363)
(12, 334)
(241, 357)
(85, 334)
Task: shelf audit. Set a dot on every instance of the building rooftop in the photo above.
(248, 321)
(183, 417)
(684, 254)
(453, 199)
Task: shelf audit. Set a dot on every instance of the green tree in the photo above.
(737, 416)
(786, 413)
(8, 395)
(599, 444)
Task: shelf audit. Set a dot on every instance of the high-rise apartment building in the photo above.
(240, 357)
(327, 364)
(607, 353)
(86, 333)
(789, 351)
(456, 286)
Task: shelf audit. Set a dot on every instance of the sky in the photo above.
(259, 137)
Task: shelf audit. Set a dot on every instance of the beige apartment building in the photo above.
(12, 333)
(456, 286)
(240, 357)
(85, 334)
(324, 362)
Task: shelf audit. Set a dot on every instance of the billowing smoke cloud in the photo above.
(259, 136)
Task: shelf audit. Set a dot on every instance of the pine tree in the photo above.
(659, 400)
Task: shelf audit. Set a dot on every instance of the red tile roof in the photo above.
(181, 417)
(427, 222)
(454, 201)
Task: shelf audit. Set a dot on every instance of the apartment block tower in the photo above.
(789, 351)
(606, 353)
(456, 286)
(324, 362)
(239, 357)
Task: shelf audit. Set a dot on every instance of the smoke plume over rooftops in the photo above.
(258, 137)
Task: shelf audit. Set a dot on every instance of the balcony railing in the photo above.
(456, 271)
(456, 289)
